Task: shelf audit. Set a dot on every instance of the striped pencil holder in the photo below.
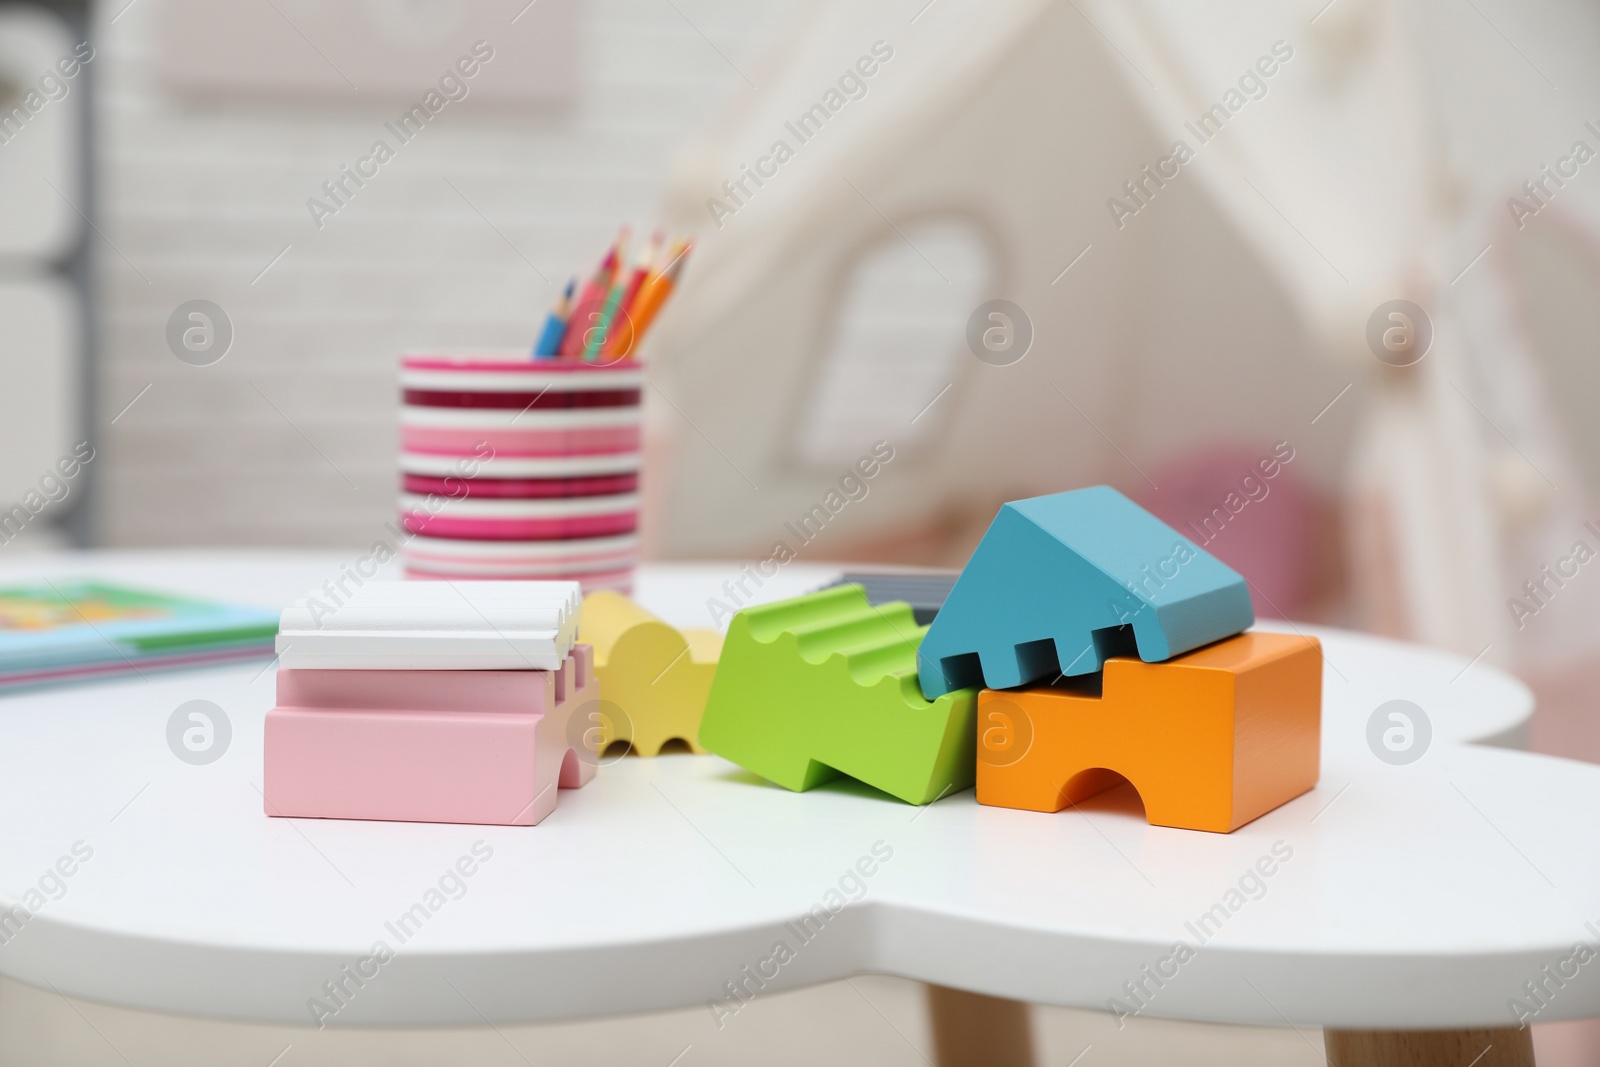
(515, 468)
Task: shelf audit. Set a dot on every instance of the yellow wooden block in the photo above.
(654, 679)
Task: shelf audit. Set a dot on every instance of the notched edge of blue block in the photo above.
(1173, 594)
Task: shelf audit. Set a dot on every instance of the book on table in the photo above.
(65, 630)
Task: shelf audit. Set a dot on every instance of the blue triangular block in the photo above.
(1060, 582)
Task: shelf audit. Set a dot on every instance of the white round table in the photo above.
(1399, 897)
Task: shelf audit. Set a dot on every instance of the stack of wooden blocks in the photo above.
(431, 702)
(1085, 643)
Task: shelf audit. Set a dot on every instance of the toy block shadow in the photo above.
(1209, 740)
(1061, 582)
(826, 684)
(654, 677)
(489, 747)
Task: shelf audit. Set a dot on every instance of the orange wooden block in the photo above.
(1210, 740)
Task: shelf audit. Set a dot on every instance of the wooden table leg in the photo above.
(1429, 1048)
(972, 1030)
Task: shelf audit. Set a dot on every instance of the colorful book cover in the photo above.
(59, 630)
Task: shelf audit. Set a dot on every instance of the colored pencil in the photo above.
(619, 334)
(655, 293)
(623, 341)
(602, 327)
(591, 299)
(642, 269)
(555, 326)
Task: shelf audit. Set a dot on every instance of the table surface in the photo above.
(1422, 895)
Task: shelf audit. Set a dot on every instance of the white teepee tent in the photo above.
(1333, 160)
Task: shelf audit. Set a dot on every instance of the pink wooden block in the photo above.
(489, 747)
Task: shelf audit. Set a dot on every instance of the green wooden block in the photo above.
(826, 684)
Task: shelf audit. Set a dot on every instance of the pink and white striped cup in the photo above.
(513, 467)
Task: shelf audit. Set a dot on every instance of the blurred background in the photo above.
(1355, 243)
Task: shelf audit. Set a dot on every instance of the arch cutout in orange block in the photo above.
(1210, 740)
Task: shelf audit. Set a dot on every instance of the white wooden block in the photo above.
(432, 626)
